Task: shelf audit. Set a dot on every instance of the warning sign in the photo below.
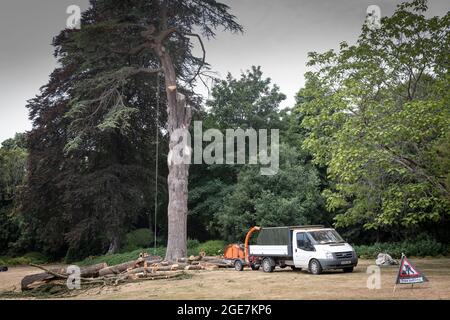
(408, 274)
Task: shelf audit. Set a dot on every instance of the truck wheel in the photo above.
(238, 265)
(267, 265)
(255, 267)
(315, 267)
(349, 269)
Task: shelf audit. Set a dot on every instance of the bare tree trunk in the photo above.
(113, 245)
(178, 117)
(177, 211)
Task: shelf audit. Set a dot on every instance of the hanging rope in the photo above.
(156, 156)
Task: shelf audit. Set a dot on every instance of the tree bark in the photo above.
(177, 181)
(88, 271)
(120, 267)
(28, 280)
(113, 245)
(178, 117)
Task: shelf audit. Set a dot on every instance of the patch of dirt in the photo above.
(281, 284)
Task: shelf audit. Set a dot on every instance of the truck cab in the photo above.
(312, 248)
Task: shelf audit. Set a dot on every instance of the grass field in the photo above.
(281, 284)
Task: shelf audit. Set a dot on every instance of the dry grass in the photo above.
(282, 284)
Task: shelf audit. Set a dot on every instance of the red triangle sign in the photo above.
(409, 274)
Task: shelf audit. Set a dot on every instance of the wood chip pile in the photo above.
(144, 268)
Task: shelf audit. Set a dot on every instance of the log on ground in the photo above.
(31, 279)
(120, 267)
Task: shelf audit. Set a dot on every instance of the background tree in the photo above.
(377, 115)
(12, 173)
(226, 200)
(92, 151)
(98, 120)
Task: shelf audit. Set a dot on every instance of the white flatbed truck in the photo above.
(314, 248)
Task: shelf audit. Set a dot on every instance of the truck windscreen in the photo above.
(325, 236)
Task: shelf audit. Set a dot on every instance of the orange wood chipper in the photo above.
(239, 254)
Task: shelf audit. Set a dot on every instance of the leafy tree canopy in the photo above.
(377, 116)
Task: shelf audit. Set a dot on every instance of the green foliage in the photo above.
(12, 166)
(414, 248)
(291, 197)
(12, 172)
(248, 102)
(192, 244)
(376, 115)
(212, 247)
(31, 257)
(92, 149)
(139, 238)
(227, 200)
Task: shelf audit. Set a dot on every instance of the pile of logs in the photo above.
(144, 268)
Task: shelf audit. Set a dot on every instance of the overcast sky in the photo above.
(278, 35)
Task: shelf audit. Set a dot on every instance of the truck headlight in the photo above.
(329, 255)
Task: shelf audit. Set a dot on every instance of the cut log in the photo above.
(182, 260)
(193, 267)
(179, 266)
(148, 263)
(120, 267)
(92, 271)
(142, 270)
(161, 268)
(195, 258)
(211, 258)
(87, 271)
(27, 281)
